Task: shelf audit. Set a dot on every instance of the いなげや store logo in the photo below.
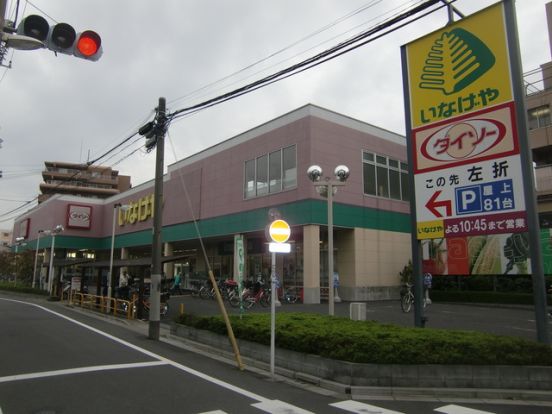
(457, 59)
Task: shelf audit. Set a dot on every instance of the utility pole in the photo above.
(3, 48)
(157, 268)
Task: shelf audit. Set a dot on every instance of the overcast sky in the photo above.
(61, 108)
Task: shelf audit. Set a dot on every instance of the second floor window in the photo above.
(385, 177)
(271, 173)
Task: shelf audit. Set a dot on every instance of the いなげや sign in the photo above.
(459, 69)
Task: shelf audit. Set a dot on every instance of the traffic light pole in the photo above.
(2, 12)
(156, 271)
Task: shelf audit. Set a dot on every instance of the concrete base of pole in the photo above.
(154, 329)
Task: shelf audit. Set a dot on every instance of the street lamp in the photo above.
(40, 232)
(58, 229)
(109, 275)
(328, 188)
(18, 242)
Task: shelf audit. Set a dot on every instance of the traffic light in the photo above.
(149, 131)
(62, 37)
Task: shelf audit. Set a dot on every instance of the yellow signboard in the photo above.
(430, 230)
(137, 211)
(461, 68)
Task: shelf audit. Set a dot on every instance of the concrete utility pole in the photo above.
(157, 268)
(3, 48)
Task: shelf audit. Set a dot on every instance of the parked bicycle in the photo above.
(252, 294)
(289, 296)
(163, 306)
(407, 298)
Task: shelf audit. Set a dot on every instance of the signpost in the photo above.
(469, 160)
(279, 232)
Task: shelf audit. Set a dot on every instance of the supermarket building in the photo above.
(228, 190)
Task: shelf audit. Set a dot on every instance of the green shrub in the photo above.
(372, 342)
(9, 286)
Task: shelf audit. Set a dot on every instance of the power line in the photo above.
(282, 50)
(335, 51)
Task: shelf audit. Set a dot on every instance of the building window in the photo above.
(262, 175)
(385, 177)
(270, 173)
(275, 171)
(249, 187)
(289, 161)
(539, 117)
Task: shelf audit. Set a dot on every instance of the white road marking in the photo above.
(209, 412)
(279, 407)
(71, 371)
(361, 408)
(456, 409)
(176, 365)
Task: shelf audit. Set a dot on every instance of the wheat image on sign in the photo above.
(455, 60)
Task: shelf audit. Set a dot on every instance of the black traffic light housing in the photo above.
(62, 37)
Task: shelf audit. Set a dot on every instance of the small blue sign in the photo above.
(485, 198)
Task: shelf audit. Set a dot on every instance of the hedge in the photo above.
(373, 342)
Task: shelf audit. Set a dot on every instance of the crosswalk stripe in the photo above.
(456, 409)
(362, 408)
(214, 412)
(279, 407)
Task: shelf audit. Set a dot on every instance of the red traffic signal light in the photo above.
(62, 37)
(88, 45)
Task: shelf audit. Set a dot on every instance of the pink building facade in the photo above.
(227, 191)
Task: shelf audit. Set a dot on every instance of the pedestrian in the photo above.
(176, 284)
(428, 280)
(123, 285)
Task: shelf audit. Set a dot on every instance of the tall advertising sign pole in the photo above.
(537, 265)
(473, 205)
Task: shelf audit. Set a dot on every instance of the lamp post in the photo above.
(40, 232)
(110, 274)
(58, 229)
(327, 188)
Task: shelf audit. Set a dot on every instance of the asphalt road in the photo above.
(502, 320)
(54, 359)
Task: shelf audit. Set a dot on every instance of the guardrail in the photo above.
(103, 304)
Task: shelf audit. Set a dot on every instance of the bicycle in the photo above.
(289, 296)
(250, 295)
(407, 298)
(163, 305)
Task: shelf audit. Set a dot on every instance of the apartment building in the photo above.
(81, 180)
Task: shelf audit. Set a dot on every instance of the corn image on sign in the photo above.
(461, 68)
